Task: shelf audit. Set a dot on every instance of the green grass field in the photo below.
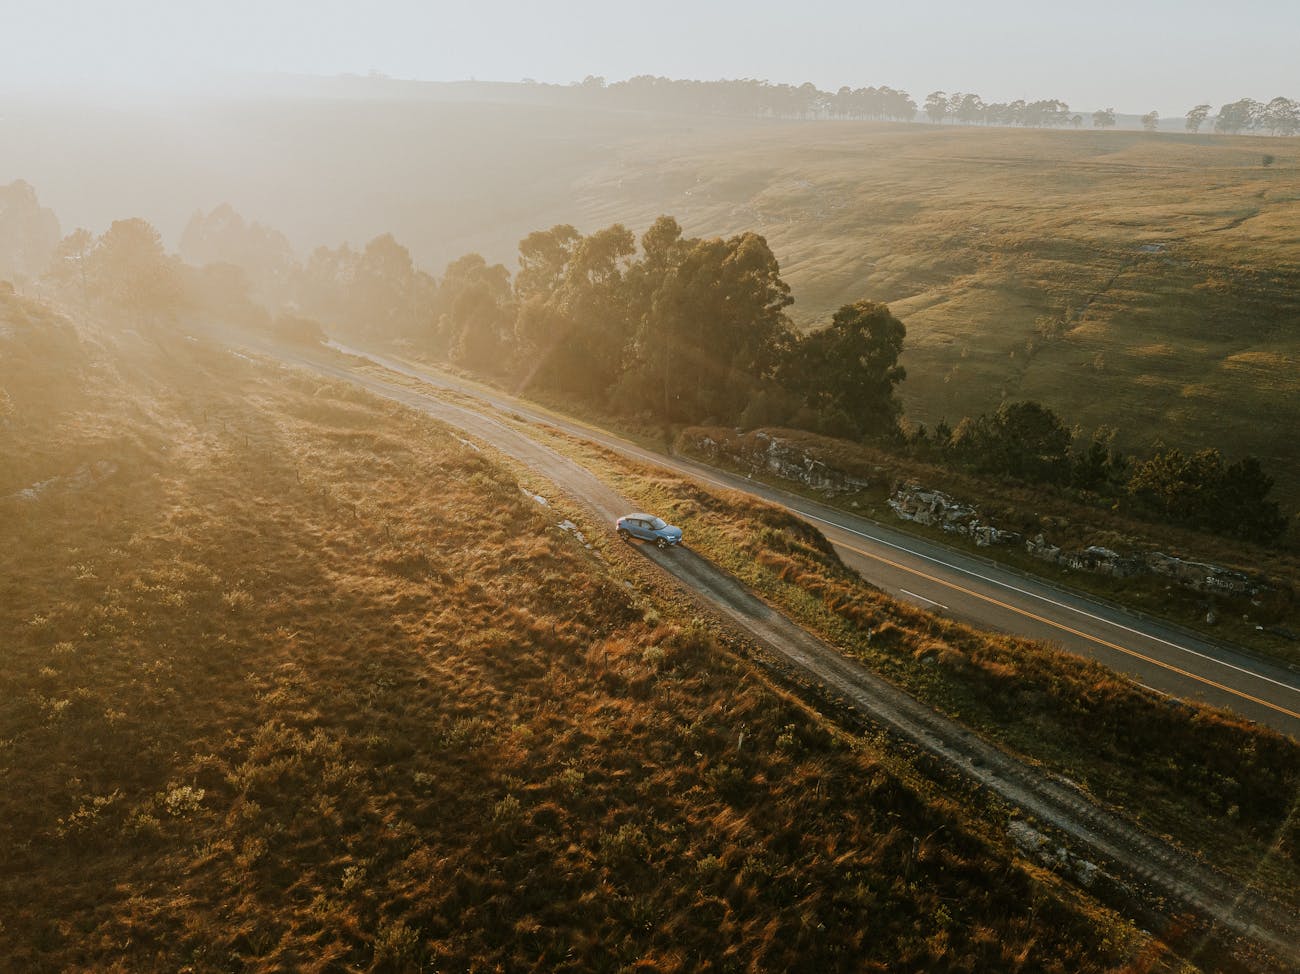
(1151, 283)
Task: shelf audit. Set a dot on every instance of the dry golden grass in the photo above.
(304, 683)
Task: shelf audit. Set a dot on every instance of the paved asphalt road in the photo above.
(1161, 657)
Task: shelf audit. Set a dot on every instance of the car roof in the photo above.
(641, 517)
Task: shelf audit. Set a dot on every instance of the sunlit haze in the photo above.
(667, 486)
(1162, 55)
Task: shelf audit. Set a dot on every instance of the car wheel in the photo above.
(623, 533)
(661, 543)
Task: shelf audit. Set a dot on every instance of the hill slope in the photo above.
(299, 680)
(1148, 283)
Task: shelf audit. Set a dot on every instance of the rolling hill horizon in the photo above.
(1145, 282)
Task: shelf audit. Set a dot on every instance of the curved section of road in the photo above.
(1158, 656)
(1175, 874)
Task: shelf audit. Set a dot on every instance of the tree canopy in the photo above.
(29, 232)
(128, 269)
(1201, 490)
(847, 372)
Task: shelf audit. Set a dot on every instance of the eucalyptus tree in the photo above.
(1196, 118)
(846, 373)
(715, 329)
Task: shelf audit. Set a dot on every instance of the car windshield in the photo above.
(658, 523)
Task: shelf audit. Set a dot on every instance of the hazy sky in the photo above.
(1135, 56)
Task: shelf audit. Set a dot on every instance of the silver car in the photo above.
(647, 527)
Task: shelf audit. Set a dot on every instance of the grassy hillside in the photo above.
(1148, 282)
(1151, 283)
(297, 680)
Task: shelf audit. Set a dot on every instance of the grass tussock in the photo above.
(308, 684)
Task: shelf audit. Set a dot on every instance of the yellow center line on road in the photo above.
(1075, 632)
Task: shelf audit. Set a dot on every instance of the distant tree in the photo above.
(1022, 439)
(68, 263)
(29, 232)
(1076, 121)
(1196, 118)
(1103, 118)
(543, 259)
(593, 300)
(850, 368)
(397, 297)
(323, 285)
(997, 113)
(1200, 490)
(1150, 121)
(897, 105)
(969, 109)
(1177, 486)
(130, 272)
(575, 319)
(1238, 116)
(222, 292)
(1098, 465)
(1046, 111)
(1281, 117)
(662, 249)
(476, 314)
(841, 103)
(1243, 508)
(264, 254)
(936, 106)
(811, 102)
(715, 329)
(376, 292)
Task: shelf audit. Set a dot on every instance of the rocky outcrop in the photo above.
(932, 507)
(1198, 576)
(911, 502)
(1094, 558)
(1052, 854)
(761, 452)
(1202, 577)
